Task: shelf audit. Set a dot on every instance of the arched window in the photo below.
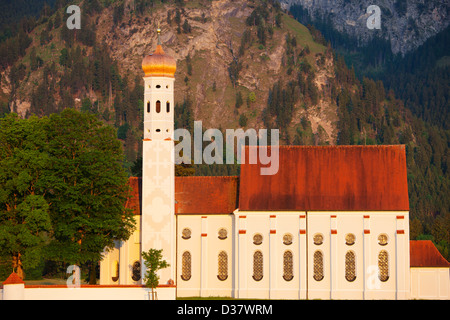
(257, 265)
(350, 266)
(136, 272)
(186, 266)
(167, 106)
(115, 273)
(318, 265)
(148, 106)
(222, 273)
(288, 266)
(158, 106)
(383, 266)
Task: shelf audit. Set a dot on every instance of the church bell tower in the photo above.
(158, 171)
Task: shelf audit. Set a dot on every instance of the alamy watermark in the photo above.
(259, 150)
(374, 20)
(373, 281)
(74, 280)
(74, 21)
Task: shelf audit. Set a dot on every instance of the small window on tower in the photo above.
(158, 87)
(158, 106)
(148, 106)
(168, 106)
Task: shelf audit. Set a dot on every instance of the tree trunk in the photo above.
(17, 266)
(92, 273)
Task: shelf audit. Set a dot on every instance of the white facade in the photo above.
(430, 283)
(287, 248)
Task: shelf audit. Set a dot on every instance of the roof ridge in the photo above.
(382, 146)
(207, 177)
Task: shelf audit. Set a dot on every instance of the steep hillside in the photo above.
(229, 56)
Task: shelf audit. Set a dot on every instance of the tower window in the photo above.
(158, 86)
(168, 106)
(148, 106)
(158, 106)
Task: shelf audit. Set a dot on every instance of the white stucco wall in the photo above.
(366, 226)
(88, 293)
(272, 226)
(204, 246)
(430, 283)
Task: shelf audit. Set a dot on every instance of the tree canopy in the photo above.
(63, 189)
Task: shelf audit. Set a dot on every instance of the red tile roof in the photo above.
(13, 279)
(206, 195)
(194, 195)
(423, 253)
(134, 201)
(328, 178)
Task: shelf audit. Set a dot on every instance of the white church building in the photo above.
(333, 223)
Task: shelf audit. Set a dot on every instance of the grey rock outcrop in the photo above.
(407, 23)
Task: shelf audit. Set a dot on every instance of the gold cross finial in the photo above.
(159, 34)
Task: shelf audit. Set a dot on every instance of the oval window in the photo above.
(318, 266)
(288, 266)
(257, 239)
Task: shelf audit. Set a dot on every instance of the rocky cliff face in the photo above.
(407, 23)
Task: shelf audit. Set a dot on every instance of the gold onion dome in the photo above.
(158, 64)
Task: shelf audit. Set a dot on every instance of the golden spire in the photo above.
(158, 64)
(159, 34)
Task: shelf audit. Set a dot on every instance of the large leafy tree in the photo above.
(88, 188)
(24, 212)
(63, 190)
